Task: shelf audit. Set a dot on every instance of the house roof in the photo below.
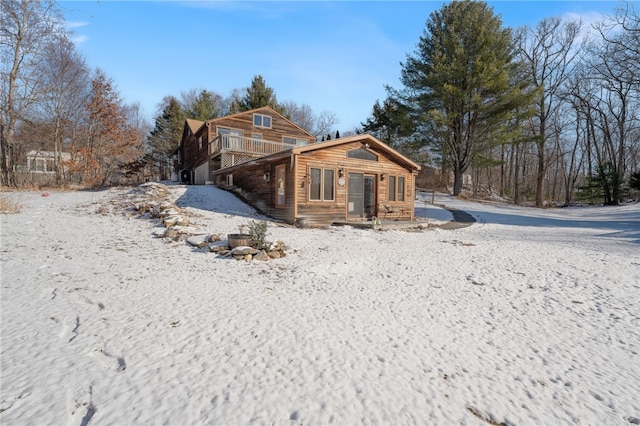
(48, 154)
(261, 109)
(374, 143)
(194, 125)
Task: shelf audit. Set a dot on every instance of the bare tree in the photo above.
(617, 113)
(549, 51)
(326, 121)
(66, 84)
(27, 27)
(303, 116)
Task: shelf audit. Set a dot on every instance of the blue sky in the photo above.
(332, 56)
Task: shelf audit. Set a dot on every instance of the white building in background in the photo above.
(43, 161)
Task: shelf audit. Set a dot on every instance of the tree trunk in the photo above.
(457, 181)
(540, 176)
(516, 177)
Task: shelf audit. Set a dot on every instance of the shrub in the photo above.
(7, 206)
(258, 233)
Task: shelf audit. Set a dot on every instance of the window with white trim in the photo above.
(321, 184)
(260, 120)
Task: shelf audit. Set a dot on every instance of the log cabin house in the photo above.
(227, 141)
(345, 180)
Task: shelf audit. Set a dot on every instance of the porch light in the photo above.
(383, 176)
(340, 172)
(365, 145)
(266, 176)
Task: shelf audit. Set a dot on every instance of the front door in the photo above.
(361, 196)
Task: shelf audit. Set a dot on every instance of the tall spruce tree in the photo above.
(205, 106)
(165, 136)
(462, 84)
(258, 95)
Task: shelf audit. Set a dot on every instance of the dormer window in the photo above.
(260, 120)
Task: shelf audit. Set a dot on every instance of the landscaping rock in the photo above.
(244, 250)
(170, 221)
(263, 256)
(198, 241)
(159, 232)
(218, 247)
(147, 201)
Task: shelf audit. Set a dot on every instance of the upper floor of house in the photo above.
(257, 132)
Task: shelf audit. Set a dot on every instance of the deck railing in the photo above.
(242, 144)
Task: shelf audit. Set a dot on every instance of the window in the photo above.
(396, 188)
(321, 184)
(260, 120)
(256, 139)
(200, 142)
(41, 165)
(293, 141)
(280, 187)
(229, 142)
(362, 154)
(392, 188)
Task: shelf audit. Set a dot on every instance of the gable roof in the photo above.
(194, 125)
(365, 138)
(264, 109)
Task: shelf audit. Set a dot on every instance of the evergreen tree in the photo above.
(634, 181)
(258, 95)
(329, 137)
(462, 83)
(389, 122)
(337, 134)
(205, 106)
(165, 137)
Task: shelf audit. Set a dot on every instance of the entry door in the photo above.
(361, 196)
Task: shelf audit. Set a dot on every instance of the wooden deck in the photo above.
(244, 145)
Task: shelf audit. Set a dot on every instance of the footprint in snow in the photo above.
(474, 280)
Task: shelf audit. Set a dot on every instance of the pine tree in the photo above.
(258, 95)
(337, 134)
(207, 105)
(389, 122)
(165, 137)
(464, 80)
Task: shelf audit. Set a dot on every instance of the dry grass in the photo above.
(484, 417)
(8, 206)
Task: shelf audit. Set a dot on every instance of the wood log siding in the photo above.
(193, 154)
(279, 127)
(261, 193)
(249, 178)
(336, 158)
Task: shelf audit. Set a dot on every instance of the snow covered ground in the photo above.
(527, 317)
